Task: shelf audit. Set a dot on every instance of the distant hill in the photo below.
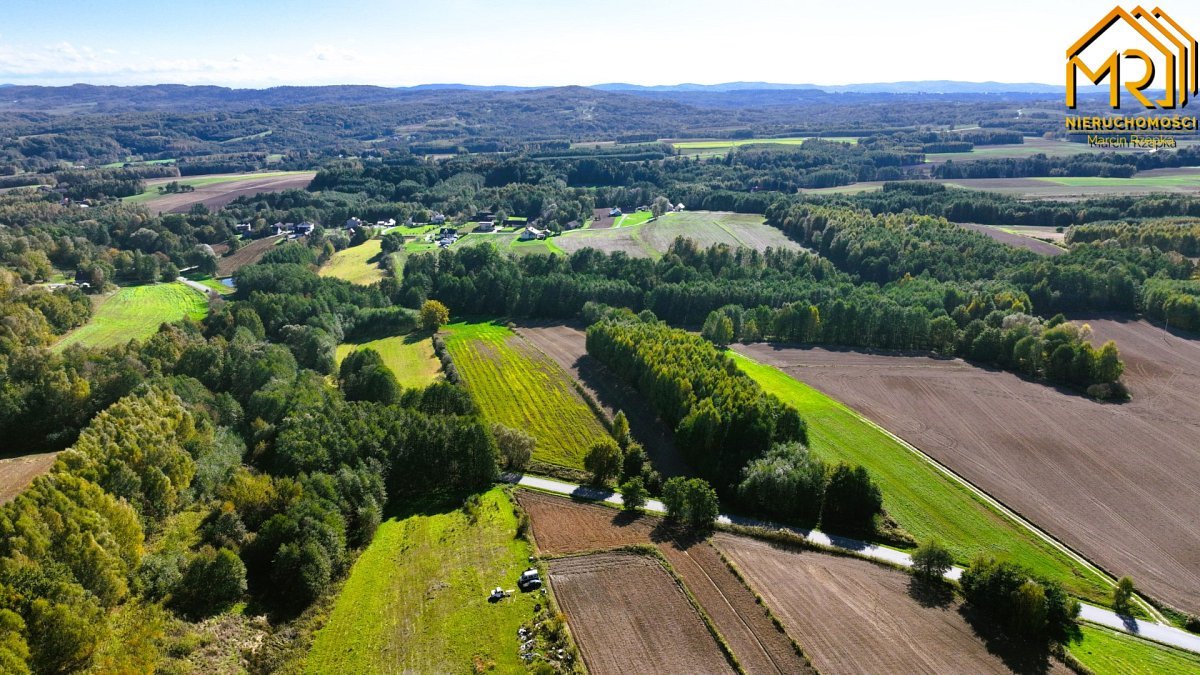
(914, 87)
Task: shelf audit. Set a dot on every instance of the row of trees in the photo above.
(722, 419)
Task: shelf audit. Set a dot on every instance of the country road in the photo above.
(1158, 632)
(208, 292)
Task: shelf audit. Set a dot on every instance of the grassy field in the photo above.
(357, 264)
(214, 284)
(918, 496)
(510, 242)
(1106, 651)
(518, 386)
(1184, 180)
(198, 181)
(410, 357)
(136, 312)
(416, 599)
(635, 218)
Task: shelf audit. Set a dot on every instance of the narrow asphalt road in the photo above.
(208, 292)
(1168, 635)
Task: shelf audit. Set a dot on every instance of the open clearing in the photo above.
(218, 190)
(851, 615)
(248, 254)
(651, 239)
(518, 386)
(723, 145)
(1116, 482)
(628, 615)
(1025, 241)
(410, 357)
(136, 312)
(922, 499)
(416, 599)
(1106, 651)
(562, 526)
(567, 346)
(16, 473)
(357, 264)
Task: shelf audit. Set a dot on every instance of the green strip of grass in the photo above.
(1106, 651)
(519, 387)
(410, 357)
(135, 312)
(416, 599)
(921, 498)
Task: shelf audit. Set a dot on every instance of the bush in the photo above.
(788, 483)
(516, 447)
(1123, 596)
(633, 494)
(691, 501)
(1025, 606)
(603, 460)
(932, 560)
(852, 500)
(212, 581)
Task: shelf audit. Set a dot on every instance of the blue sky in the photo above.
(251, 43)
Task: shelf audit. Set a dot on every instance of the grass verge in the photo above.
(1105, 651)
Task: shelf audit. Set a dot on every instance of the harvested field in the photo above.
(248, 254)
(1116, 482)
(1027, 242)
(629, 616)
(16, 473)
(601, 220)
(653, 238)
(1181, 180)
(566, 345)
(218, 190)
(563, 526)
(868, 621)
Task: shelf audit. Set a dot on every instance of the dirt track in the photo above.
(853, 616)
(564, 526)
(1115, 482)
(629, 616)
(566, 345)
(218, 195)
(1018, 240)
(248, 254)
(16, 473)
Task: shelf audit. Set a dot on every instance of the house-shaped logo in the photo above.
(1163, 38)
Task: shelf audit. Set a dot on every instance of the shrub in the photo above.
(932, 560)
(787, 483)
(516, 447)
(852, 500)
(1123, 596)
(212, 581)
(603, 460)
(633, 494)
(1025, 606)
(691, 501)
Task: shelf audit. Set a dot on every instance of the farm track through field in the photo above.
(1060, 460)
(561, 526)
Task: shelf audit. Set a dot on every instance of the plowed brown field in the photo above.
(564, 526)
(16, 473)
(1018, 240)
(1115, 482)
(629, 616)
(854, 616)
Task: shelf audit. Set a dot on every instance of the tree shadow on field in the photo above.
(1020, 656)
(930, 593)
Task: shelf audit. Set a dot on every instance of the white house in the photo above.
(531, 233)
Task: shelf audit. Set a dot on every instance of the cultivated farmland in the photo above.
(1182, 180)
(416, 599)
(248, 254)
(16, 473)
(561, 526)
(1115, 482)
(136, 312)
(651, 239)
(410, 357)
(852, 615)
(567, 346)
(628, 615)
(1017, 239)
(923, 500)
(218, 190)
(357, 264)
(520, 387)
